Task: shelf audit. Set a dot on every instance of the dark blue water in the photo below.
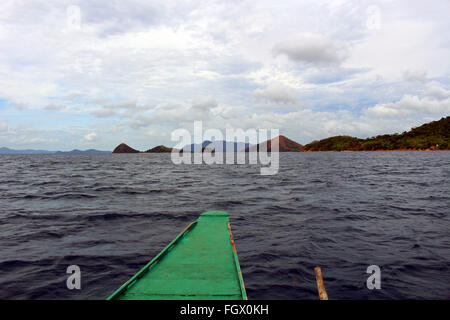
(110, 214)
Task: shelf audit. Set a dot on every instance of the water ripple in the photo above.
(110, 214)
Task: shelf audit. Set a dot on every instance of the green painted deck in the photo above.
(200, 263)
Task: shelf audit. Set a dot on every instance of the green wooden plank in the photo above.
(182, 297)
(200, 263)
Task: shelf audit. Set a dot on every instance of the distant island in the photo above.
(159, 149)
(33, 151)
(124, 148)
(285, 145)
(76, 151)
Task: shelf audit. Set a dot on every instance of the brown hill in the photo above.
(159, 149)
(284, 145)
(124, 148)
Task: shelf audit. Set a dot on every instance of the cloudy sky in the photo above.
(74, 74)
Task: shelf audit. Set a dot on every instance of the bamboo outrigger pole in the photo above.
(320, 286)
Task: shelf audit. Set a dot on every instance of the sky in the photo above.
(84, 74)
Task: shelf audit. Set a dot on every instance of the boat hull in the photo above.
(201, 263)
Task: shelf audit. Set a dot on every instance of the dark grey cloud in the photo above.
(103, 112)
(276, 93)
(55, 107)
(204, 103)
(311, 48)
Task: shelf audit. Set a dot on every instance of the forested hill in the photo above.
(430, 136)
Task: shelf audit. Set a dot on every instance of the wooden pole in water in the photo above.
(320, 286)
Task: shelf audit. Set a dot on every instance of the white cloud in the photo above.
(125, 109)
(27, 136)
(42, 140)
(333, 74)
(406, 41)
(90, 137)
(306, 125)
(408, 105)
(3, 126)
(200, 108)
(415, 75)
(436, 91)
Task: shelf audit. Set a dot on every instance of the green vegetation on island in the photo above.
(430, 136)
